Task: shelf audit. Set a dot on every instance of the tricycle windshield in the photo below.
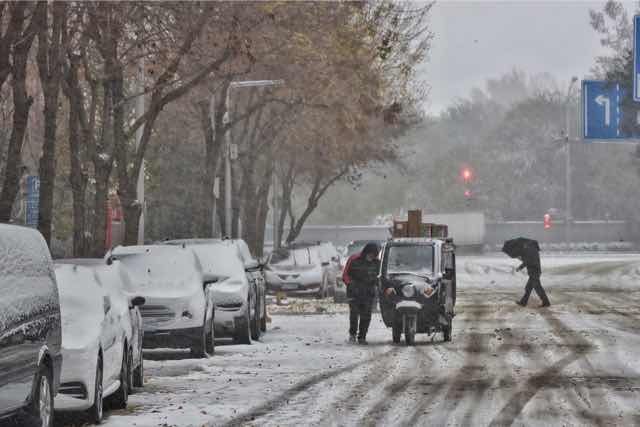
(410, 259)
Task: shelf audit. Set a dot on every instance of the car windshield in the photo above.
(410, 259)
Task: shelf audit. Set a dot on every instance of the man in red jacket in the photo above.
(359, 276)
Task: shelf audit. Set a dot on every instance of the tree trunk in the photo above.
(50, 70)
(317, 191)
(262, 211)
(77, 177)
(21, 105)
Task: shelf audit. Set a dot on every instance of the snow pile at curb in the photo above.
(308, 306)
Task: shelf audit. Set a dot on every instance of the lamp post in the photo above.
(227, 139)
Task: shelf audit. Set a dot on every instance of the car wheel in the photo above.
(120, 398)
(255, 323)
(130, 371)
(138, 373)
(96, 412)
(243, 329)
(446, 332)
(210, 339)
(41, 410)
(263, 319)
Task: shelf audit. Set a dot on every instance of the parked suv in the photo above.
(30, 335)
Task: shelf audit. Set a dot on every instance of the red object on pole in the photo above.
(547, 221)
(467, 193)
(466, 174)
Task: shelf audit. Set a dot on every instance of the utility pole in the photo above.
(140, 106)
(212, 120)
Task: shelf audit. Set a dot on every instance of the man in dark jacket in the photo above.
(360, 276)
(531, 260)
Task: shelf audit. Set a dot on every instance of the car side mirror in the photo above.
(138, 301)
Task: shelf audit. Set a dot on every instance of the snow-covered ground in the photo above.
(575, 363)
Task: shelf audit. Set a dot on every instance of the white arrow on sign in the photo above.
(606, 103)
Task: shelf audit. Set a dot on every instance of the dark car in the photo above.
(30, 336)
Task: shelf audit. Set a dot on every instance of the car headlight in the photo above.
(409, 291)
(428, 291)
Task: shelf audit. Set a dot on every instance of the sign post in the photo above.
(636, 58)
(33, 201)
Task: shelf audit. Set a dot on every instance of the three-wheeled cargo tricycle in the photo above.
(417, 286)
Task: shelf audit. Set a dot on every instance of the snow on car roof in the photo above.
(81, 304)
(26, 274)
(160, 269)
(219, 259)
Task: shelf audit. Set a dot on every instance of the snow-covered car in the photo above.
(297, 271)
(96, 354)
(115, 279)
(239, 302)
(253, 269)
(178, 310)
(30, 333)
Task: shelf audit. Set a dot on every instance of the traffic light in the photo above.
(467, 194)
(547, 221)
(466, 175)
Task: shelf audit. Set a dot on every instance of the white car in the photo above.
(115, 279)
(95, 352)
(239, 304)
(299, 271)
(178, 311)
(254, 272)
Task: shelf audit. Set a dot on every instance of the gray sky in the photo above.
(476, 40)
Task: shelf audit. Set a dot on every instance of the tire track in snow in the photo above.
(579, 347)
(285, 397)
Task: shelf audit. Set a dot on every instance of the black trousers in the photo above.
(360, 318)
(534, 284)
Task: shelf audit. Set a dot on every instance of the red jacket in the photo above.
(345, 273)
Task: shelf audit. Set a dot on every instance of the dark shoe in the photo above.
(352, 339)
(545, 304)
(521, 304)
(362, 341)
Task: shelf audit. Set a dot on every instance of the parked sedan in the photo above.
(239, 305)
(96, 354)
(30, 333)
(298, 271)
(115, 279)
(179, 309)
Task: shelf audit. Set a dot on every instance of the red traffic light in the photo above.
(467, 193)
(466, 174)
(547, 221)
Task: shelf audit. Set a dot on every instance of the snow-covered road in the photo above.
(576, 363)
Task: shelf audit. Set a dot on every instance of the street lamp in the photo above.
(227, 151)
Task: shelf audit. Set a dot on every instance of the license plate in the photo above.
(289, 286)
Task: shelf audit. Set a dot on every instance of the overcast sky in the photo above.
(476, 40)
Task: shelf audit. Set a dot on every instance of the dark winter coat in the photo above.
(531, 260)
(361, 277)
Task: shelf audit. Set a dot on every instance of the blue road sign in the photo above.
(636, 58)
(601, 111)
(33, 200)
